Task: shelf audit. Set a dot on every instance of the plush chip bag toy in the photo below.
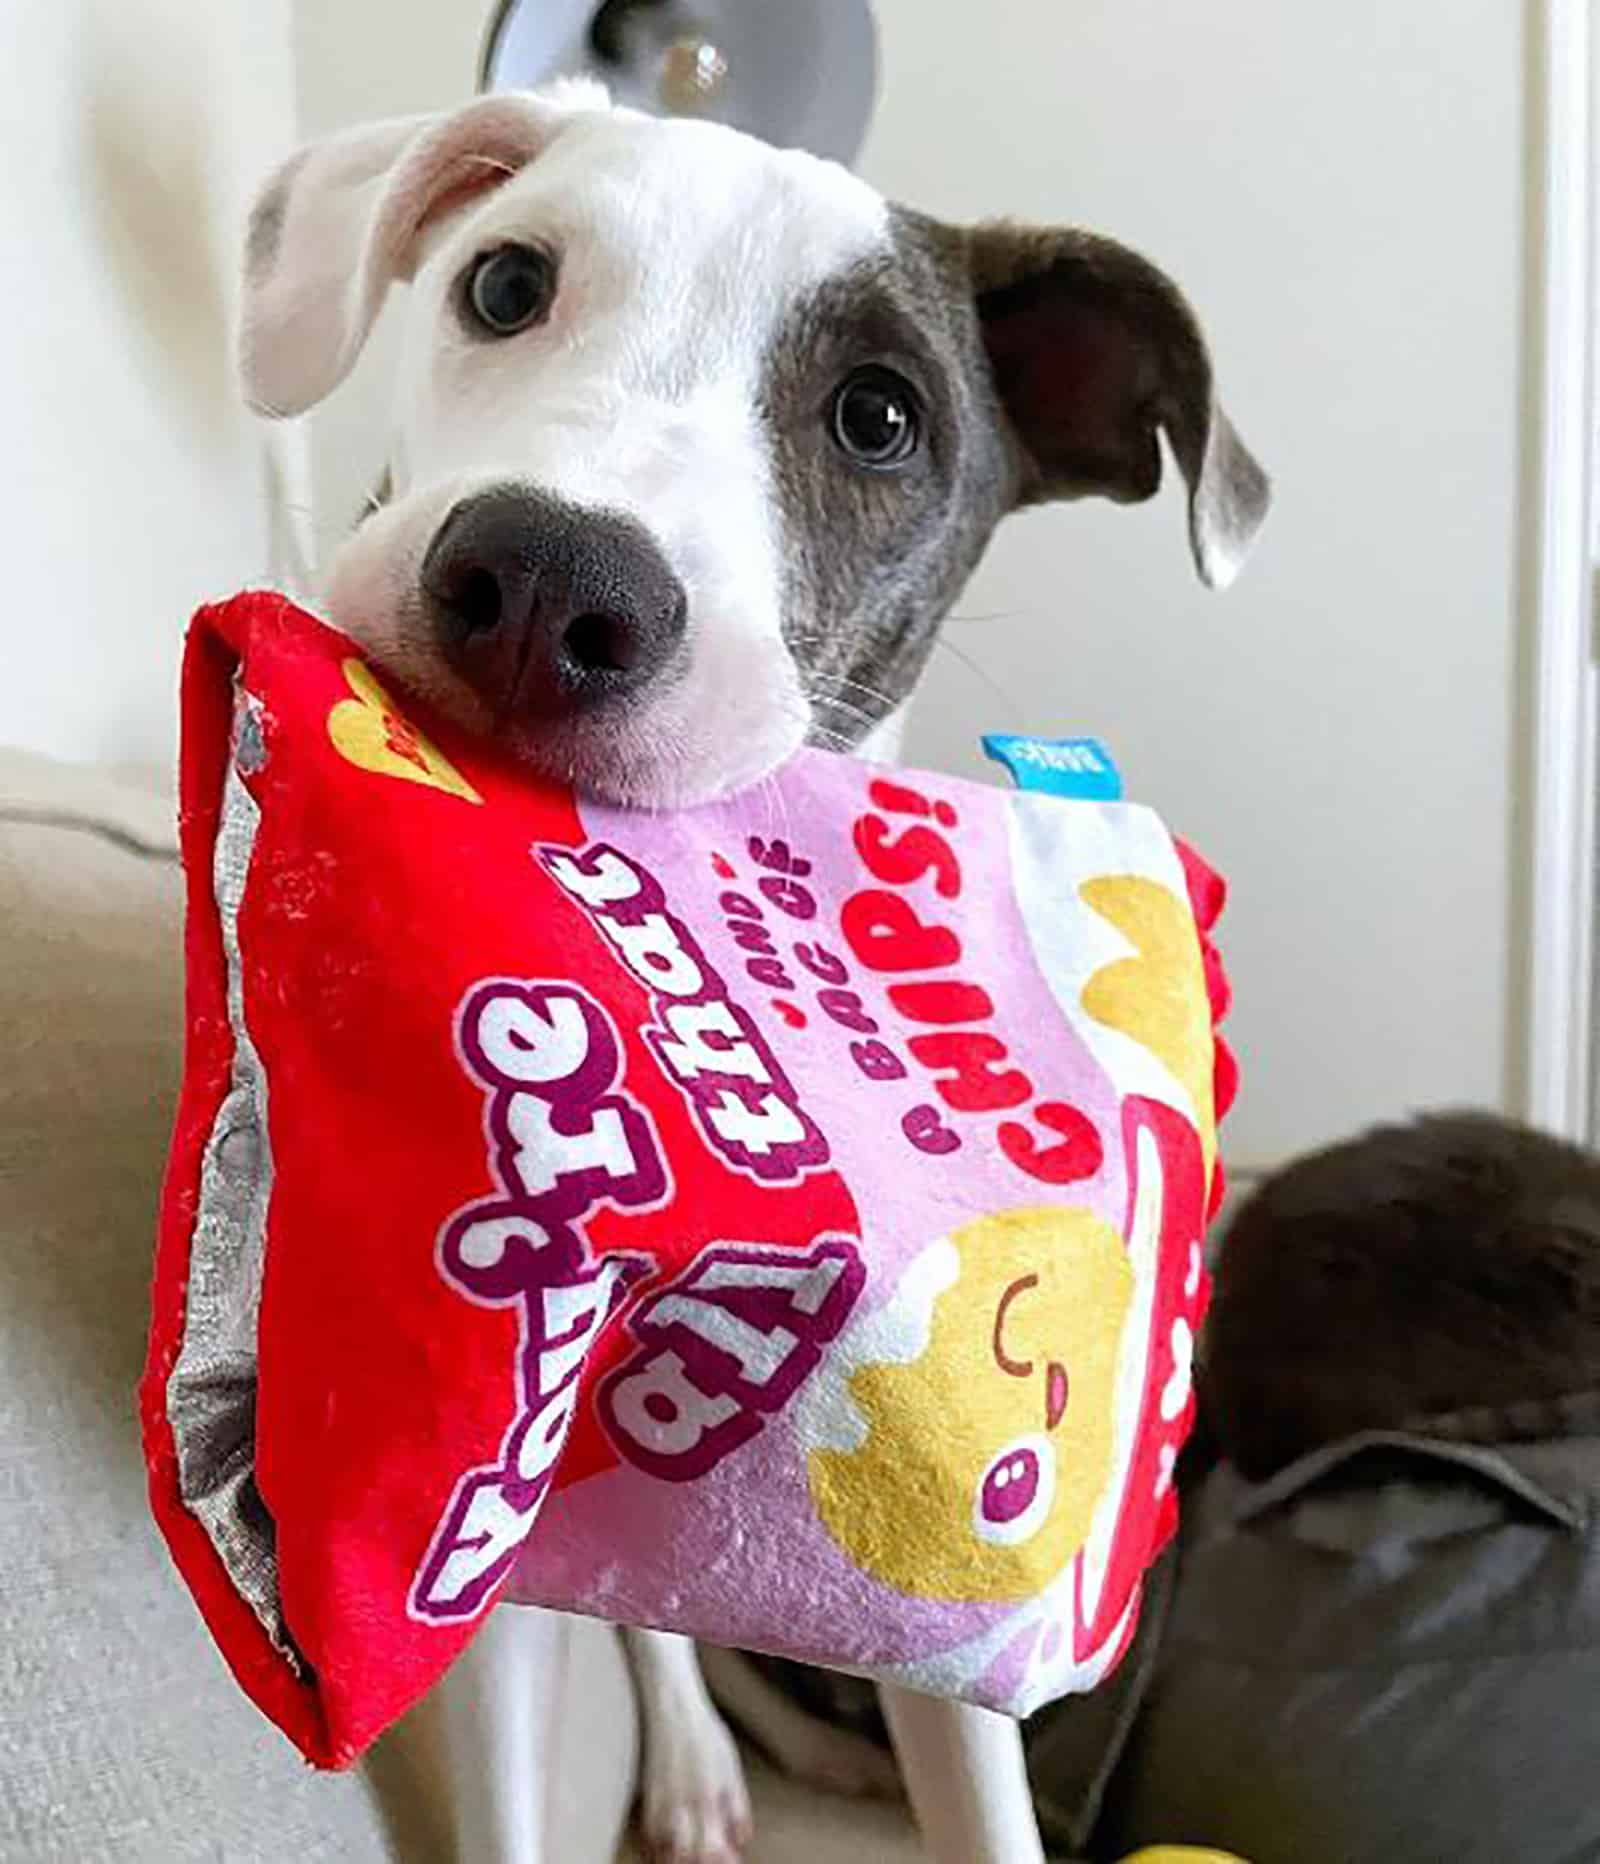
(777, 1221)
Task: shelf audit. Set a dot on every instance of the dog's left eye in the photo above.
(510, 288)
(877, 419)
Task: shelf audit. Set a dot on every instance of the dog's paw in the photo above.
(694, 1805)
(818, 1754)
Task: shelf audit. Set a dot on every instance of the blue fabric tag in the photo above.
(1077, 767)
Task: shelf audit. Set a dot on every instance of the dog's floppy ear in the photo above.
(339, 223)
(1094, 352)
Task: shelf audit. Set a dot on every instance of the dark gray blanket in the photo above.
(1388, 1654)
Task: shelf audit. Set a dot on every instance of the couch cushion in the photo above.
(123, 1735)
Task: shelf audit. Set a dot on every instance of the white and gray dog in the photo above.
(695, 442)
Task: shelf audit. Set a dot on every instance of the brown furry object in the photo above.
(1448, 1265)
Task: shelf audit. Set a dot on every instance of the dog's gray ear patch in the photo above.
(1094, 354)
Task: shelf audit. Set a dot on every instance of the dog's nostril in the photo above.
(602, 644)
(477, 601)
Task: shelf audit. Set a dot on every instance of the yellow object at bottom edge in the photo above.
(1182, 1854)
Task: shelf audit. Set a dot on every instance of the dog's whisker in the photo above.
(860, 686)
(832, 689)
(1013, 709)
(864, 720)
(776, 808)
(819, 724)
(993, 615)
(785, 814)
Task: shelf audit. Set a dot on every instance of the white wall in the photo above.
(357, 60)
(1339, 185)
(131, 482)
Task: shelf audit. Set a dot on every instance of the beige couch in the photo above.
(121, 1735)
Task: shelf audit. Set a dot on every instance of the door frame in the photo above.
(1562, 871)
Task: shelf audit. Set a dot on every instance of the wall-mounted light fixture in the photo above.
(801, 73)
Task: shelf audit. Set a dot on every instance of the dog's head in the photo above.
(696, 441)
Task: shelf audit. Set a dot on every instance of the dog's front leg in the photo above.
(491, 1724)
(695, 1808)
(965, 1778)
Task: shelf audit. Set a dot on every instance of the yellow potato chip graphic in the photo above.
(983, 1458)
(1157, 997)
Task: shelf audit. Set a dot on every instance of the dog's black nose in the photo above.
(548, 610)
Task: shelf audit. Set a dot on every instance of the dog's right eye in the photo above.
(510, 288)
